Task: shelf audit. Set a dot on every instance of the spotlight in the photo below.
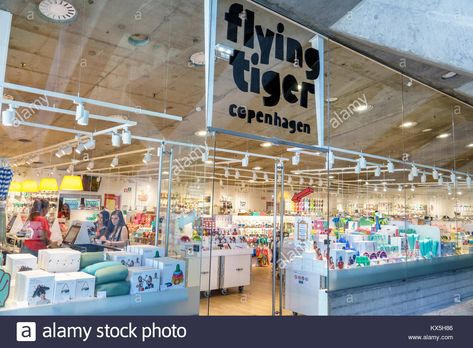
(116, 140)
(410, 177)
(255, 177)
(59, 153)
(440, 181)
(301, 181)
(80, 147)
(82, 115)
(245, 161)
(414, 171)
(377, 171)
(126, 137)
(413, 188)
(468, 181)
(296, 159)
(227, 173)
(399, 188)
(453, 178)
(357, 168)
(385, 188)
(375, 188)
(114, 162)
(205, 155)
(390, 167)
(8, 116)
(423, 178)
(70, 169)
(237, 174)
(289, 179)
(67, 150)
(320, 183)
(331, 158)
(89, 144)
(449, 189)
(362, 162)
(266, 178)
(311, 182)
(147, 157)
(435, 174)
(90, 165)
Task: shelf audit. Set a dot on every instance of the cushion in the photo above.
(92, 269)
(111, 274)
(87, 259)
(114, 288)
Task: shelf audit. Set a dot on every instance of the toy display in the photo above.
(126, 258)
(143, 279)
(172, 272)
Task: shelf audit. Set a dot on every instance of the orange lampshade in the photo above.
(72, 183)
(48, 184)
(15, 186)
(29, 186)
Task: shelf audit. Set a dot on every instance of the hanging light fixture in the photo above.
(362, 162)
(390, 167)
(205, 154)
(410, 177)
(82, 115)
(453, 178)
(90, 144)
(440, 180)
(90, 165)
(245, 160)
(126, 136)
(227, 173)
(468, 181)
(255, 177)
(48, 184)
(296, 159)
(311, 182)
(80, 147)
(357, 168)
(8, 116)
(114, 162)
(266, 177)
(147, 157)
(423, 178)
(71, 183)
(15, 186)
(70, 169)
(377, 171)
(385, 188)
(221, 183)
(289, 179)
(399, 188)
(413, 188)
(237, 174)
(449, 189)
(320, 183)
(116, 139)
(414, 171)
(29, 186)
(376, 188)
(435, 174)
(301, 181)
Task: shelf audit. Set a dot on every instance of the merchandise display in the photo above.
(143, 279)
(19, 263)
(125, 258)
(34, 287)
(172, 272)
(59, 260)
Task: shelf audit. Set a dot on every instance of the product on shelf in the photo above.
(59, 260)
(143, 279)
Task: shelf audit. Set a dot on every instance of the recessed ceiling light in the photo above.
(257, 168)
(443, 135)
(408, 124)
(57, 11)
(331, 99)
(426, 130)
(266, 144)
(138, 39)
(470, 145)
(197, 59)
(201, 133)
(363, 108)
(449, 75)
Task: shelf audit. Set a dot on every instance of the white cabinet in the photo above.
(235, 271)
(209, 270)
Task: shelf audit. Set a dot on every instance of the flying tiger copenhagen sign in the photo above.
(250, 76)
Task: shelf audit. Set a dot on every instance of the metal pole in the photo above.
(275, 219)
(168, 209)
(5, 27)
(158, 202)
(210, 30)
(281, 235)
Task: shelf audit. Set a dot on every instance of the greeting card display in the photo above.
(143, 279)
(59, 260)
(20, 263)
(34, 287)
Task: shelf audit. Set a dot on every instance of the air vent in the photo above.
(57, 11)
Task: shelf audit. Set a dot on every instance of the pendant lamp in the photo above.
(48, 184)
(29, 186)
(71, 183)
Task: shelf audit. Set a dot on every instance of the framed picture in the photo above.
(92, 203)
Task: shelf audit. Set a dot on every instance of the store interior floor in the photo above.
(254, 300)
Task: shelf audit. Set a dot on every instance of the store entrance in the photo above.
(241, 236)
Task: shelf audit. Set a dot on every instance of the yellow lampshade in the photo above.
(48, 184)
(72, 183)
(29, 186)
(15, 186)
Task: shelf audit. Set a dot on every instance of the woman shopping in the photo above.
(118, 231)
(41, 234)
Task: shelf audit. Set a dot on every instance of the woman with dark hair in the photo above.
(41, 235)
(65, 212)
(118, 231)
(102, 225)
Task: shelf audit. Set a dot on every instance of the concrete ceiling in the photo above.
(92, 57)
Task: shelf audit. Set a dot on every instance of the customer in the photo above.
(65, 212)
(102, 225)
(41, 235)
(118, 231)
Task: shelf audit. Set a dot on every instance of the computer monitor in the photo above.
(72, 234)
